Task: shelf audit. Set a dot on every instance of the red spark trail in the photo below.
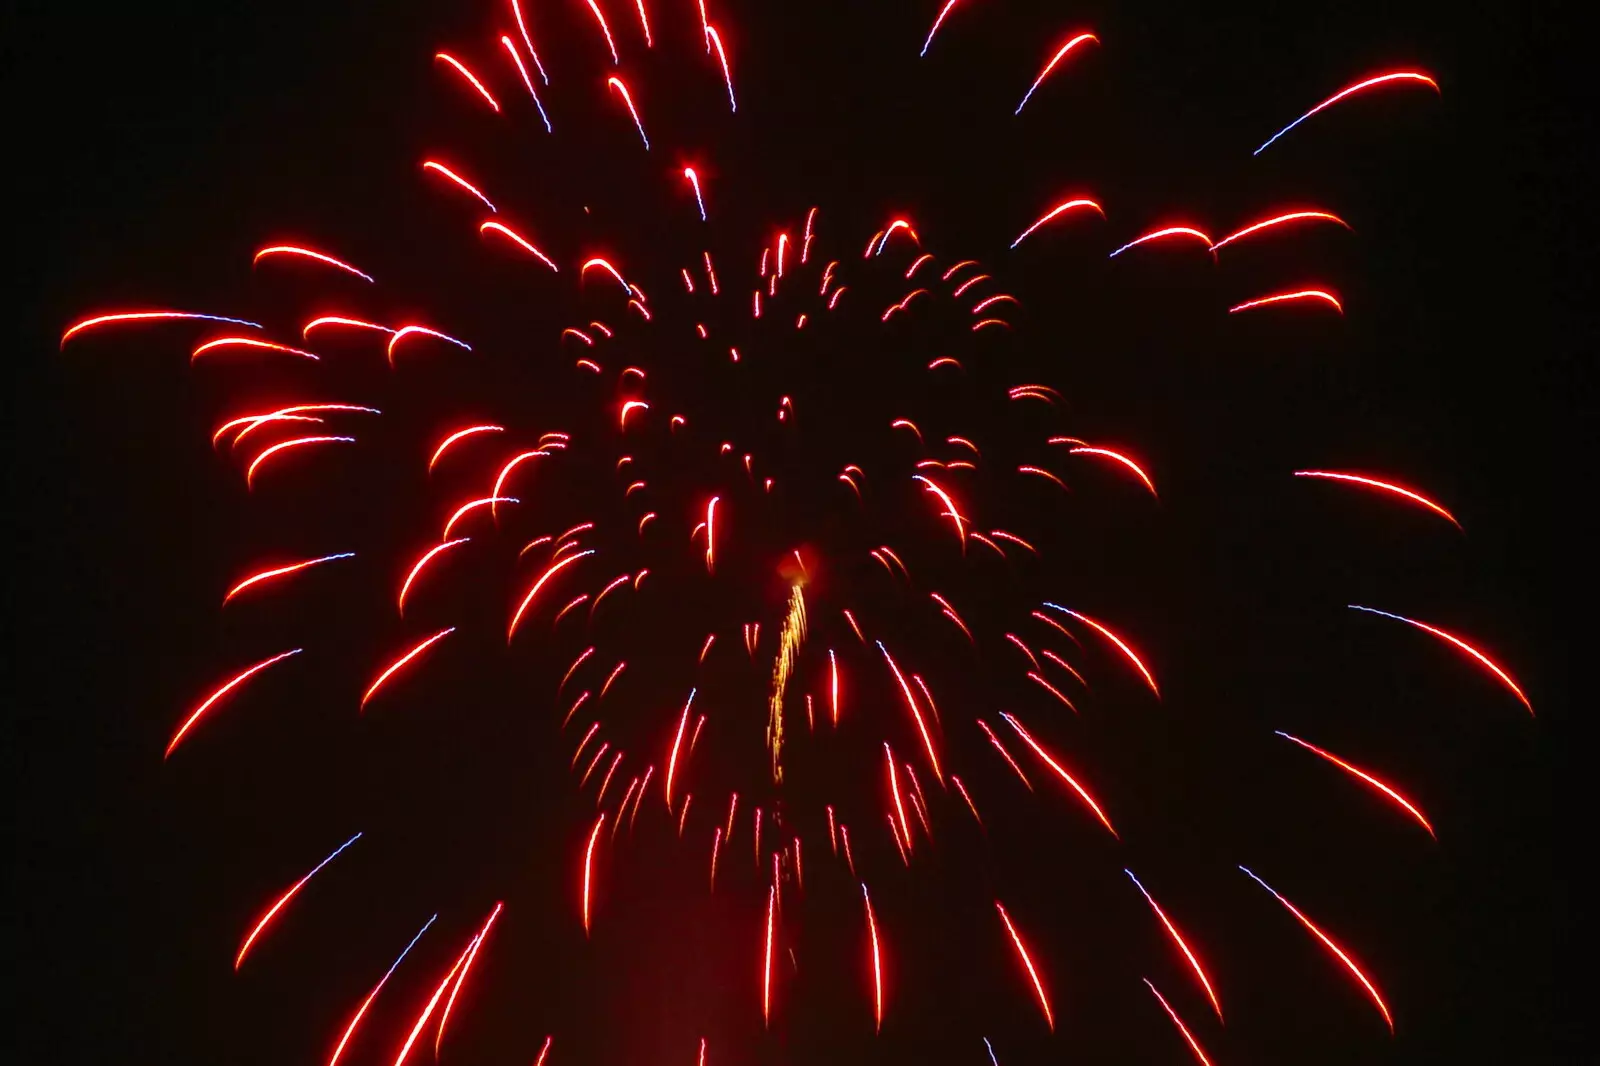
(1054, 212)
(644, 23)
(460, 434)
(973, 807)
(298, 442)
(588, 869)
(1083, 794)
(766, 974)
(1385, 486)
(283, 900)
(833, 684)
(362, 1010)
(937, 22)
(249, 342)
(1149, 678)
(521, 241)
(1351, 90)
(616, 83)
(440, 168)
(677, 741)
(1504, 677)
(1289, 297)
(551, 571)
(308, 253)
(877, 962)
(427, 1012)
(1033, 974)
(714, 40)
(461, 978)
(600, 18)
(1194, 1045)
(1051, 65)
(1177, 938)
(402, 661)
(1163, 234)
(894, 791)
(417, 569)
(420, 331)
(472, 505)
(237, 680)
(1278, 220)
(147, 316)
(911, 704)
(281, 571)
(1120, 458)
(1327, 941)
(472, 78)
(1006, 755)
(1048, 687)
(336, 320)
(527, 41)
(716, 845)
(1363, 775)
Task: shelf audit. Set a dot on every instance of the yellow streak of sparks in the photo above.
(789, 641)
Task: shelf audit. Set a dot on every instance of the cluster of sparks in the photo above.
(271, 438)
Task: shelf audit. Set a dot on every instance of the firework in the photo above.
(665, 474)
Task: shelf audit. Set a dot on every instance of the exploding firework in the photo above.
(722, 499)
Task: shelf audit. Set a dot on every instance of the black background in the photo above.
(172, 141)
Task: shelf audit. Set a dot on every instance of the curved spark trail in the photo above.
(1384, 486)
(1278, 220)
(297, 251)
(1051, 65)
(1363, 775)
(877, 962)
(1027, 962)
(361, 1011)
(1484, 660)
(400, 663)
(1194, 1045)
(1055, 212)
(281, 571)
(283, 901)
(1399, 76)
(147, 316)
(1327, 941)
(227, 687)
(1177, 938)
(1122, 645)
(1290, 297)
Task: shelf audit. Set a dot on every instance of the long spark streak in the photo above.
(588, 869)
(1278, 220)
(1504, 677)
(237, 680)
(147, 316)
(677, 741)
(1033, 974)
(911, 703)
(362, 1010)
(471, 78)
(1083, 794)
(283, 900)
(308, 253)
(1327, 941)
(877, 961)
(616, 83)
(402, 661)
(937, 22)
(1194, 1045)
(280, 571)
(1385, 486)
(1054, 212)
(427, 1011)
(422, 562)
(1177, 938)
(554, 569)
(1351, 90)
(461, 978)
(1363, 775)
(1289, 297)
(1048, 67)
(1144, 671)
(766, 973)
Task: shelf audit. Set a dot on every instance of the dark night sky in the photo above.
(173, 139)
